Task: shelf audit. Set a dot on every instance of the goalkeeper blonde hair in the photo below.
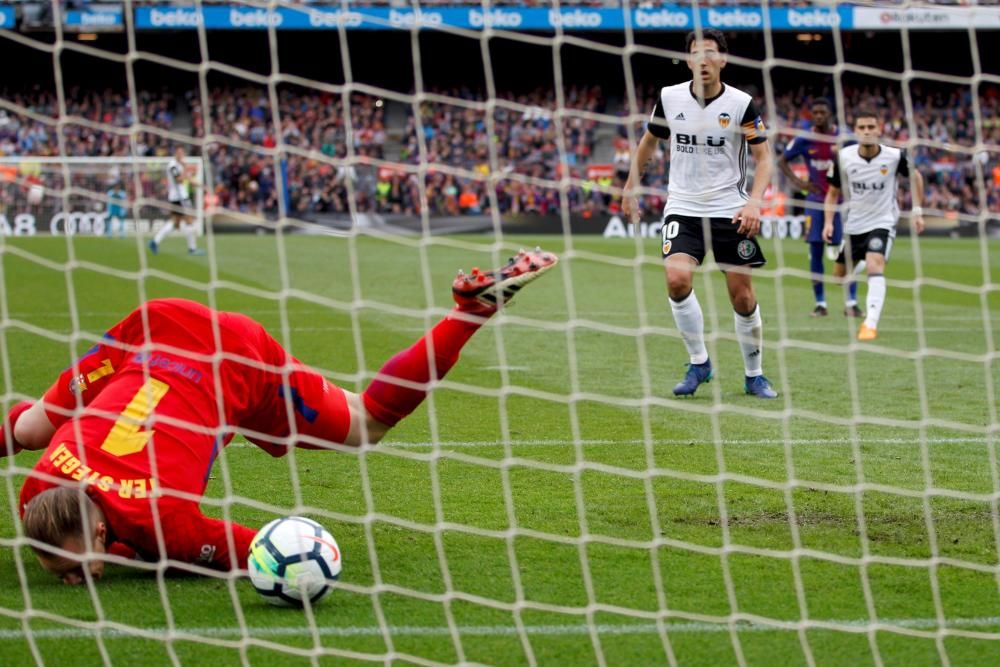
(55, 515)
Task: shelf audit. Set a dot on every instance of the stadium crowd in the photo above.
(313, 124)
(525, 142)
(97, 125)
(475, 155)
(106, 117)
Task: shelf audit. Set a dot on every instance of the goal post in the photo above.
(78, 195)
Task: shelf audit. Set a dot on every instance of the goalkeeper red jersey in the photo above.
(142, 416)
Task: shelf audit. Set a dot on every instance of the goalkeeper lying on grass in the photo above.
(130, 432)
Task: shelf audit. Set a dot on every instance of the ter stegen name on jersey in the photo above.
(708, 149)
(869, 186)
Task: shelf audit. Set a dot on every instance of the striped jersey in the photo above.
(817, 152)
(869, 186)
(708, 148)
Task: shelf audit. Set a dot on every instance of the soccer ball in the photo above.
(292, 560)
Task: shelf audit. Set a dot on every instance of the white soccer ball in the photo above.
(292, 560)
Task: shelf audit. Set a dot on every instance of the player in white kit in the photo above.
(711, 128)
(868, 174)
(181, 206)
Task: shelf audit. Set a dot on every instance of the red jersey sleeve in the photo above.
(195, 538)
(191, 537)
(82, 382)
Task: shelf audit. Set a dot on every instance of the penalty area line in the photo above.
(554, 630)
(674, 442)
(556, 442)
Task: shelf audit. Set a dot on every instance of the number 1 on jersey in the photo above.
(125, 437)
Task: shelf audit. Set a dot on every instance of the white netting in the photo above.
(873, 471)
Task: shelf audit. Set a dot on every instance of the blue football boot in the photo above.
(760, 387)
(696, 375)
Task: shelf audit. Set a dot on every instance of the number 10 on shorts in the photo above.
(669, 232)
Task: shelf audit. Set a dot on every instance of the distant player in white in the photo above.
(710, 127)
(181, 207)
(868, 173)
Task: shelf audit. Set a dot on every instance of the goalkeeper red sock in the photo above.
(8, 445)
(389, 401)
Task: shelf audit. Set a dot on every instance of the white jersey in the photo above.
(869, 186)
(708, 148)
(177, 190)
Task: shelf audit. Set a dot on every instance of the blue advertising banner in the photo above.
(96, 18)
(666, 17)
(7, 18)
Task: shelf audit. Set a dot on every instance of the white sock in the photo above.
(190, 233)
(163, 232)
(691, 324)
(876, 299)
(750, 336)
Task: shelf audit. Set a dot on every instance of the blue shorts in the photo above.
(813, 233)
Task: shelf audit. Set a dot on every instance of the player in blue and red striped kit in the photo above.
(818, 153)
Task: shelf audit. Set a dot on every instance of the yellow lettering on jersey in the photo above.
(138, 489)
(105, 369)
(125, 437)
(72, 464)
(68, 464)
(60, 455)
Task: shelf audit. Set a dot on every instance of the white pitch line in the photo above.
(881, 329)
(493, 630)
(462, 444)
(675, 442)
(931, 317)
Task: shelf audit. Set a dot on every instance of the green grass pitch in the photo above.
(552, 503)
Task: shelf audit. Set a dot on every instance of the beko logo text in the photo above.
(318, 19)
(661, 19)
(410, 19)
(816, 18)
(575, 19)
(255, 18)
(734, 19)
(495, 18)
(174, 18)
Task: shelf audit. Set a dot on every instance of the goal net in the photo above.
(92, 195)
(552, 501)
